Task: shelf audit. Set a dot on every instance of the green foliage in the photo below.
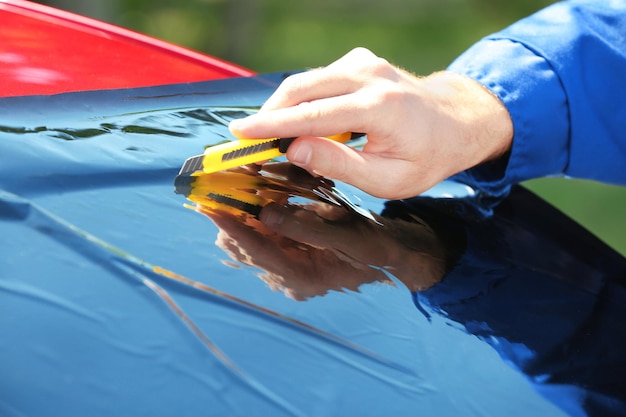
(601, 208)
(274, 35)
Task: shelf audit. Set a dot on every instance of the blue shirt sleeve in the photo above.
(561, 73)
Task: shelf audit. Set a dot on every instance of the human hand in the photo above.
(236, 200)
(420, 130)
(408, 250)
(300, 270)
(303, 254)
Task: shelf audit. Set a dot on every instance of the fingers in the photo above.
(378, 175)
(324, 101)
(309, 86)
(333, 80)
(298, 224)
(323, 117)
(420, 130)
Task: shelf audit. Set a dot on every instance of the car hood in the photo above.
(267, 291)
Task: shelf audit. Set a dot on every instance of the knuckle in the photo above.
(361, 52)
(380, 67)
(378, 98)
(368, 60)
(292, 89)
(330, 164)
(290, 86)
(293, 81)
(310, 112)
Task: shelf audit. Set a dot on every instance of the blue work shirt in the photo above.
(561, 73)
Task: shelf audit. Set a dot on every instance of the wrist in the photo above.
(475, 116)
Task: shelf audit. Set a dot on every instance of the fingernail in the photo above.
(301, 155)
(236, 125)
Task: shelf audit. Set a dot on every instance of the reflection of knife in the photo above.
(243, 152)
(225, 191)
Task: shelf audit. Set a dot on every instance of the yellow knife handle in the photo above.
(236, 153)
(247, 151)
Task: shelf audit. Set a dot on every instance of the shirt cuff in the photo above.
(532, 92)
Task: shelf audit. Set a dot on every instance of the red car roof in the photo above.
(46, 51)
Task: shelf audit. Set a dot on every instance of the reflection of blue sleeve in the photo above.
(548, 297)
(562, 75)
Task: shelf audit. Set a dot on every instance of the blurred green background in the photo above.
(419, 35)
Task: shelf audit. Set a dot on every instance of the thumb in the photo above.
(378, 175)
(325, 157)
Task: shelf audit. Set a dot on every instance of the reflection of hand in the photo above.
(419, 130)
(300, 270)
(409, 251)
(308, 251)
(318, 244)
